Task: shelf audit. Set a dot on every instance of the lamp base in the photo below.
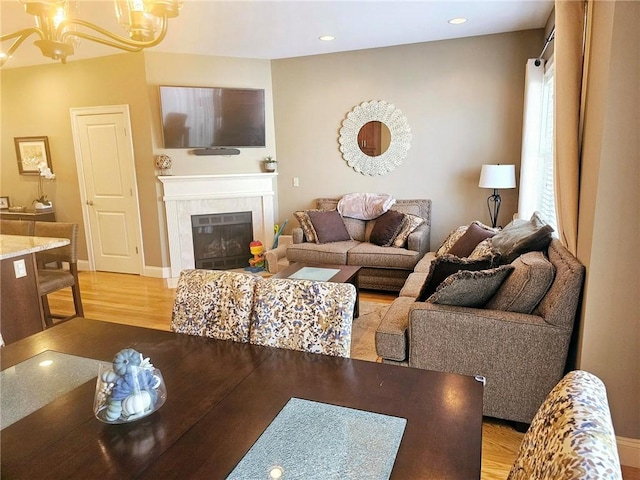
(493, 205)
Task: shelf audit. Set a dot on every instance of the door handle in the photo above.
(89, 202)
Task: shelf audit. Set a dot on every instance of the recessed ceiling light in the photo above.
(457, 21)
(327, 38)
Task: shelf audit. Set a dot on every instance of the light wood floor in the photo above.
(146, 302)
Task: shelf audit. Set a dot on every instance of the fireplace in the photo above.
(188, 195)
(221, 240)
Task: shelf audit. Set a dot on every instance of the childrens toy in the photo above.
(256, 264)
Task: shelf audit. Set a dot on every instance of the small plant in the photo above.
(270, 164)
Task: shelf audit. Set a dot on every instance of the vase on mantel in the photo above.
(41, 206)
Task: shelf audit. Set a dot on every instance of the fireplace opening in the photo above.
(221, 240)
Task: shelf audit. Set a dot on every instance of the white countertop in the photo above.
(18, 245)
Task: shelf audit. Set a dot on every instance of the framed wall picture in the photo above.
(31, 151)
(4, 203)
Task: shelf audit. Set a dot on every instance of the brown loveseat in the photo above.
(383, 268)
(521, 355)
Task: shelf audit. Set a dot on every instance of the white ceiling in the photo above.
(286, 28)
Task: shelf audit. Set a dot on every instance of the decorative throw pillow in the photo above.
(386, 228)
(521, 236)
(529, 282)
(475, 234)
(451, 239)
(410, 223)
(470, 289)
(365, 206)
(303, 219)
(445, 265)
(483, 249)
(329, 227)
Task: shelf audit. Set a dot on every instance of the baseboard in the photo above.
(156, 272)
(629, 451)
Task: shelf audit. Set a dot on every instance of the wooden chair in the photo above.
(53, 279)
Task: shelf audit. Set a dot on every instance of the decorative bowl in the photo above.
(127, 392)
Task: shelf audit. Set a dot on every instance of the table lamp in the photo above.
(496, 177)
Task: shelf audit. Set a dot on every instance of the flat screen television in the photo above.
(210, 117)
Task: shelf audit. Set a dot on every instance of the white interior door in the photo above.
(106, 173)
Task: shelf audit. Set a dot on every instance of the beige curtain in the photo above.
(569, 64)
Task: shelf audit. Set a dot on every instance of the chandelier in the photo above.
(60, 31)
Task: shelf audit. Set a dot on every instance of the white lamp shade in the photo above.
(498, 176)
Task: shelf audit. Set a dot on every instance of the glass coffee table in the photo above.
(324, 273)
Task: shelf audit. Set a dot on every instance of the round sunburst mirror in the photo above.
(374, 138)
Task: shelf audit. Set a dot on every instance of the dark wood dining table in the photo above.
(221, 396)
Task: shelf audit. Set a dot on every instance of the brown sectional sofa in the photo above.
(383, 268)
(521, 355)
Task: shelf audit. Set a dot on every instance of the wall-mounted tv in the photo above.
(206, 117)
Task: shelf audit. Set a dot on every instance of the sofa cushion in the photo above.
(409, 224)
(470, 288)
(521, 236)
(451, 239)
(328, 226)
(386, 228)
(355, 227)
(365, 206)
(474, 234)
(332, 253)
(305, 223)
(370, 255)
(443, 266)
(532, 276)
(391, 335)
(484, 249)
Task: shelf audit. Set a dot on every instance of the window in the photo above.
(537, 191)
(546, 202)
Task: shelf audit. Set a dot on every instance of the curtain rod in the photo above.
(549, 39)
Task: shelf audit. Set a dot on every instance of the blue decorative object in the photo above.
(128, 389)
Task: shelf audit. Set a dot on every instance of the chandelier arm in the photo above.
(118, 41)
(22, 36)
(21, 33)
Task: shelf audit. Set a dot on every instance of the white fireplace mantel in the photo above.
(187, 195)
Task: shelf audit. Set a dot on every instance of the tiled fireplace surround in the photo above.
(204, 194)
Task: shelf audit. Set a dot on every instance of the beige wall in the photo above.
(609, 223)
(36, 102)
(463, 100)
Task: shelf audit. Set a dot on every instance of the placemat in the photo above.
(311, 440)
